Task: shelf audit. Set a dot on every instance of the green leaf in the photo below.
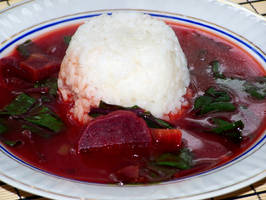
(202, 101)
(219, 95)
(67, 39)
(20, 105)
(46, 120)
(23, 48)
(37, 130)
(213, 101)
(216, 70)
(182, 160)
(218, 107)
(12, 143)
(231, 130)
(50, 83)
(151, 121)
(256, 89)
(3, 128)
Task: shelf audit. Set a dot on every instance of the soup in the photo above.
(224, 116)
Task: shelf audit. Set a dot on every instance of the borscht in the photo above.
(223, 114)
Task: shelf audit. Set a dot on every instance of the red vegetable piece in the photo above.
(127, 174)
(39, 66)
(119, 132)
(167, 140)
(10, 73)
(10, 66)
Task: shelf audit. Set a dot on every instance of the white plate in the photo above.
(239, 25)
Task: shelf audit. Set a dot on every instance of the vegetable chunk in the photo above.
(115, 131)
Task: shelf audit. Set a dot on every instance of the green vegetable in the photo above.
(46, 120)
(182, 160)
(218, 95)
(20, 105)
(213, 101)
(202, 101)
(37, 130)
(26, 108)
(256, 89)
(151, 121)
(216, 70)
(50, 83)
(24, 48)
(3, 128)
(217, 107)
(67, 39)
(231, 130)
(12, 143)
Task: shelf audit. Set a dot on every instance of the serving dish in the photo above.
(246, 29)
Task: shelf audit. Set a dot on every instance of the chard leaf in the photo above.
(20, 105)
(24, 48)
(151, 121)
(216, 70)
(67, 39)
(218, 107)
(256, 89)
(3, 128)
(12, 143)
(37, 130)
(46, 120)
(231, 130)
(213, 101)
(202, 101)
(182, 160)
(50, 83)
(218, 94)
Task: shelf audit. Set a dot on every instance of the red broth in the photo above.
(58, 154)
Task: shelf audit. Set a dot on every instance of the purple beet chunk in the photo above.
(119, 130)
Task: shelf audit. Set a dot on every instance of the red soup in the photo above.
(225, 115)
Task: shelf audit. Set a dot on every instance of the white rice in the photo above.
(124, 59)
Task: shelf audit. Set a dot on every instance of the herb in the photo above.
(151, 121)
(46, 120)
(37, 130)
(213, 101)
(20, 105)
(216, 70)
(218, 95)
(218, 107)
(24, 48)
(182, 160)
(50, 83)
(256, 89)
(12, 143)
(3, 128)
(231, 130)
(33, 114)
(67, 39)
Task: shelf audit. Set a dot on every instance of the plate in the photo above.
(33, 17)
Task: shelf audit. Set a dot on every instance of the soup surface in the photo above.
(225, 114)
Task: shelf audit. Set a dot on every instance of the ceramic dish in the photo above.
(247, 30)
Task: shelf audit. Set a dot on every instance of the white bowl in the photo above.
(33, 17)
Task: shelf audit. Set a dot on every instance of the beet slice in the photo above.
(39, 66)
(117, 131)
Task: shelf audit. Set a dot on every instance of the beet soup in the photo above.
(224, 116)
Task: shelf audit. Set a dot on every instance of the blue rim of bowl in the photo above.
(190, 21)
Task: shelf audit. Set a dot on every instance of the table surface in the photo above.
(256, 191)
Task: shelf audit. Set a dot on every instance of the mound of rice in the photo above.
(124, 59)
